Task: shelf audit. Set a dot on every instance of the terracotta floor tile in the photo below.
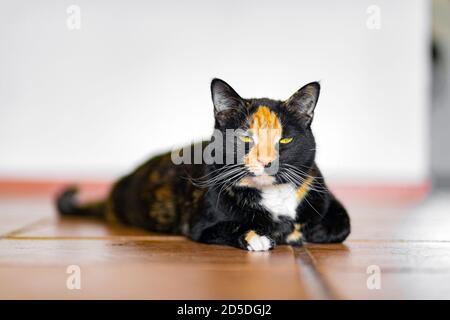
(409, 242)
(145, 269)
(83, 228)
(414, 270)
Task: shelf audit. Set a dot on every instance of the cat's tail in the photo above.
(68, 205)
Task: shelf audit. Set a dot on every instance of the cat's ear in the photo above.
(226, 101)
(304, 101)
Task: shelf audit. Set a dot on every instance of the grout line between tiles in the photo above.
(25, 228)
(106, 238)
(315, 285)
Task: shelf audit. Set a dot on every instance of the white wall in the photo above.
(134, 80)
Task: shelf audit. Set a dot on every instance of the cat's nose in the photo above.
(265, 161)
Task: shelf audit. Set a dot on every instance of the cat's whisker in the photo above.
(225, 176)
(228, 173)
(288, 179)
(218, 170)
(300, 171)
(317, 182)
(203, 180)
(221, 176)
(300, 180)
(294, 176)
(228, 183)
(305, 198)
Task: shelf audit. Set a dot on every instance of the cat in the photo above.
(271, 194)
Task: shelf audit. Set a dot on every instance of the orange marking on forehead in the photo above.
(263, 118)
(266, 130)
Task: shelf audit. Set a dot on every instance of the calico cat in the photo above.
(272, 193)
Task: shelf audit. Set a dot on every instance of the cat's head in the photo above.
(275, 135)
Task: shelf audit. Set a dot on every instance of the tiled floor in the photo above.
(406, 238)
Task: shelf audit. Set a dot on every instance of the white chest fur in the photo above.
(280, 200)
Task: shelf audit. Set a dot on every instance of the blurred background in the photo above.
(89, 89)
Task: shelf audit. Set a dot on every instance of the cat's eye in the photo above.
(286, 140)
(246, 139)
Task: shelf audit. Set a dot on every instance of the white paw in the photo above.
(259, 243)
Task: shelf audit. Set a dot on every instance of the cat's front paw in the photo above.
(255, 242)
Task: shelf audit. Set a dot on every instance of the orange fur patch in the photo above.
(304, 188)
(250, 235)
(266, 129)
(295, 235)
